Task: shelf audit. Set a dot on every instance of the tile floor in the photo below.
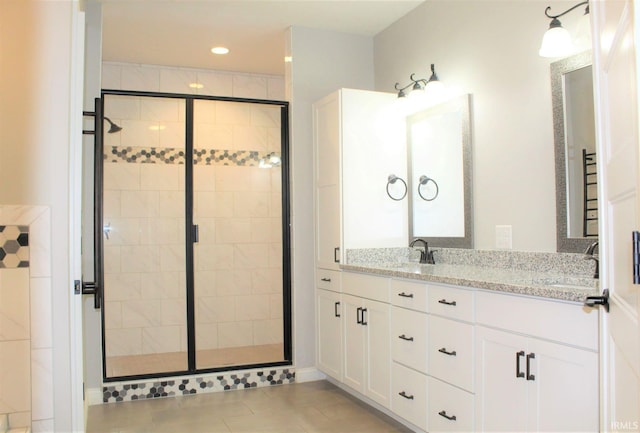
(311, 407)
(177, 361)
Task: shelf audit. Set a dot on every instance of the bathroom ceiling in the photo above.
(182, 32)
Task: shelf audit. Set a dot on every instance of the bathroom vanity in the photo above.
(445, 357)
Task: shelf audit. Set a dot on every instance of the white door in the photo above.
(616, 85)
(354, 343)
(376, 321)
(330, 333)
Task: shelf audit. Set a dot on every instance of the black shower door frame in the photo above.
(191, 233)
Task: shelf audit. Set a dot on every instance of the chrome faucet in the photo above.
(426, 256)
(591, 255)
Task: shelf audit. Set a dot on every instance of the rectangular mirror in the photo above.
(439, 147)
(575, 153)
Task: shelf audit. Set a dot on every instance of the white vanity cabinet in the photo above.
(535, 375)
(329, 323)
(451, 358)
(359, 140)
(367, 359)
(409, 351)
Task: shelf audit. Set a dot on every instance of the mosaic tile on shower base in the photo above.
(226, 381)
(14, 246)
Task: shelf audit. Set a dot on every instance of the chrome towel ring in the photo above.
(390, 181)
(423, 181)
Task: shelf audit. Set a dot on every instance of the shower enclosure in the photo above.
(194, 233)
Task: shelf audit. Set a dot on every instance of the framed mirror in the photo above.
(439, 154)
(576, 162)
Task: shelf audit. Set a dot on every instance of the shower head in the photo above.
(113, 128)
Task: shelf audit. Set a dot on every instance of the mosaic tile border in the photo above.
(227, 381)
(170, 155)
(14, 247)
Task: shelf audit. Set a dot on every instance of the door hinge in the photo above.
(636, 257)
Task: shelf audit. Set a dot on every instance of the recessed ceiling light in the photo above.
(219, 50)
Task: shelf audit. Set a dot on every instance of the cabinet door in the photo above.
(328, 227)
(326, 127)
(354, 343)
(563, 388)
(330, 333)
(378, 351)
(501, 397)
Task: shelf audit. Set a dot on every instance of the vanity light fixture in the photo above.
(419, 85)
(556, 41)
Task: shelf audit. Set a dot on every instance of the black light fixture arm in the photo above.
(546, 11)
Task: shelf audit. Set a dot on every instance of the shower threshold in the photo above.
(133, 365)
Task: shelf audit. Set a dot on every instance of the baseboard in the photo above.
(93, 396)
(309, 374)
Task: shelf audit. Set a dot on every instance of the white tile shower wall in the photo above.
(26, 374)
(238, 262)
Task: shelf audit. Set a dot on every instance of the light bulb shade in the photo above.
(556, 42)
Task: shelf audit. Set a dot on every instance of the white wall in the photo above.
(322, 62)
(35, 70)
(490, 49)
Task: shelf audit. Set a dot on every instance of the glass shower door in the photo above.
(238, 258)
(145, 329)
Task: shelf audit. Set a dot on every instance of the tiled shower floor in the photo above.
(303, 407)
(177, 361)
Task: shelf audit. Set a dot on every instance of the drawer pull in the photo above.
(404, 394)
(406, 295)
(444, 350)
(335, 309)
(326, 280)
(405, 338)
(364, 319)
(359, 320)
(518, 372)
(529, 358)
(444, 414)
(445, 302)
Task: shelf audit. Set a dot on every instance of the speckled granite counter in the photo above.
(556, 285)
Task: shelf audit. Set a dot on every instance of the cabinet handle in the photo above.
(326, 280)
(364, 320)
(529, 358)
(358, 312)
(404, 394)
(445, 302)
(518, 372)
(444, 350)
(335, 309)
(336, 250)
(406, 295)
(443, 413)
(405, 338)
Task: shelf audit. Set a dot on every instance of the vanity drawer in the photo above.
(366, 286)
(328, 280)
(451, 351)
(409, 395)
(410, 295)
(450, 302)
(447, 402)
(409, 338)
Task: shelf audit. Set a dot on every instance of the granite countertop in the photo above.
(530, 283)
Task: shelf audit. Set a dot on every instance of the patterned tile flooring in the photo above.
(177, 361)
(311, 407)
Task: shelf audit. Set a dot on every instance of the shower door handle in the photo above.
(195, 233)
